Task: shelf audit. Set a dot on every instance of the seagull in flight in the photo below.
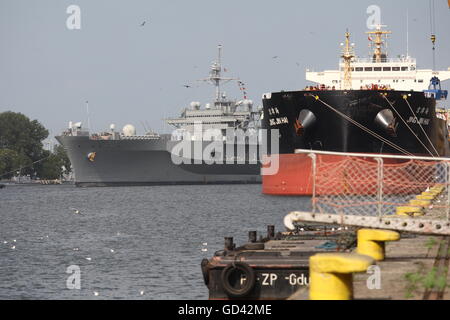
(274, 57)
(187, 86)
(76, 211)
(143, 23)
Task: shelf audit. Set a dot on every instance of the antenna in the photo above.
(143, 125)
(407, 32)
(215, 76)
(433, 32)
(87, 113)
(347, 56)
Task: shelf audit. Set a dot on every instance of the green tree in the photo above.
(51, 168)
(55, 164)
(10, 162)
(24, 137)
(61, 153)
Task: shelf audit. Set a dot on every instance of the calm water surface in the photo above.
(127, 240)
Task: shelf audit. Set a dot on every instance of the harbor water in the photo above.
(128, 242)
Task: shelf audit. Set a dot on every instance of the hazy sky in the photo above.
(132, 74)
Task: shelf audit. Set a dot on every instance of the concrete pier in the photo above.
(406, 272)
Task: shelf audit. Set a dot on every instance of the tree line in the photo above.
(22, 151)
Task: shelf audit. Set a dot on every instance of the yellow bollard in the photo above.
(437, 189)
(430, 193)
(331, 274)
(371, 242)
(420, 203)
(424, 197)
(410, 210)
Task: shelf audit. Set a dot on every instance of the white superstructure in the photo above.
(222, 114)
(398, 74)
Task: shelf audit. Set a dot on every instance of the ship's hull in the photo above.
(145, 162)
(329, 129)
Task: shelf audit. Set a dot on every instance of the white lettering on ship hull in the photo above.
(422, 121)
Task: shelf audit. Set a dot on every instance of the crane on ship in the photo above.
(434, 89)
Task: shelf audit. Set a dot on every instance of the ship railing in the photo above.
(360, 184)
(384, 60)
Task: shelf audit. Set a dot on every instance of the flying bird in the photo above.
(274, 57)
(76, 211)
(143, 23)
(187, 86)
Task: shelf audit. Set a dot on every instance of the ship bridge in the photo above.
(395, 73)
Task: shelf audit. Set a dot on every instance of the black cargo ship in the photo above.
(392, 111)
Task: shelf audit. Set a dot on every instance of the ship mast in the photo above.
(376, 38)
(215, 77)
(347, 56)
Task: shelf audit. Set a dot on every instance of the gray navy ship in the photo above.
(216, 144)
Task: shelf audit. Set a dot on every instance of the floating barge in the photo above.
(272, 268)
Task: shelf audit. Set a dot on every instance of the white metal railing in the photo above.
(378, 185)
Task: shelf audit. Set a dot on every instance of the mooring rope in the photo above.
(20, 168)
(409, 128)
(362, 127)
(420, 125)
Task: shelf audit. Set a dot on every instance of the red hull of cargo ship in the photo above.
(295, 176)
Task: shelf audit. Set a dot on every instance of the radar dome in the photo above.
(129, 130)
(195, 105)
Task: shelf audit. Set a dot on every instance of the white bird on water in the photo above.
(95, 293)
(13, 247)
(88, 258)
(111, 250)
